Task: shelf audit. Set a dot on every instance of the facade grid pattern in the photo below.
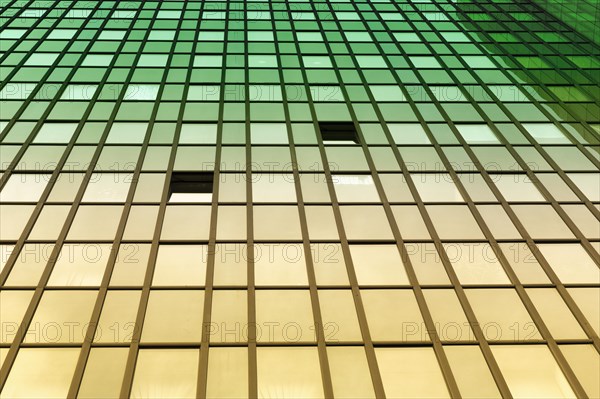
(448, 252)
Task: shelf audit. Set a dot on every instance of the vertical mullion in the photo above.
(555, 205)
(312, 281)
(141, 314)
(482, 342)
(24, 146)
(504, 262)
(210, 266)
(39, 290)
(400, 244)
(534, 142)
(596, 100)
(362, 319)
(10, 50)
(103, 290)
(252, 330)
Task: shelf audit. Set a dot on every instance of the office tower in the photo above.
(298, 199)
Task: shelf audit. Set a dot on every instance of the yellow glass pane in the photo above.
(41, 373)
(411, 373)
(104, 373)
(350, 375)
(517, 362)
(281, 378)
(174, 316)
(227, 373)
(165, 374)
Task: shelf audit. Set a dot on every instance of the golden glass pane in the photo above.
(350, 374)
(103, 374)
(378, 265)
(449, 319)
(517, 362)
(41, 373)
(471, 372)
(174, 316)
(180, 265)
(279, 377)
(501, 315)
(165, 373)
(227, 373)
(229, 316)
(284, 316)
(13, 305)
(61, 317)
(411, 373)
(338, 313)
(80, 265)
(393, 315)
(279, 264)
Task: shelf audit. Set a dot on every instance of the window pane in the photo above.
(378, 265)
(80, 265)
(229, 316)
(588, 300)
(279, 264)
(350, 374)
(104, 373)
(186, 222)
(355, 188)
(338, 313)
(475, 263)
(165, 373)
(471, 372)
(284, 316)
(393, 315)
(117, 320)
(62, 317)
(571, 263)
(454, 222)
(13, 305)
(410, 373)
(107, 187)
(516, 363)
(180, 265)
(555, 313)
(585, 362)
(542, 222)
(95, 223)
(130, 265)
(231, 264)
(502, 315)
(279, 377)
(227, 373)
(268, 226)
(366, 223)
(34, 367)
(329, 264)
(273, 187)
(448, 315)
(174, 316)
(24, 187)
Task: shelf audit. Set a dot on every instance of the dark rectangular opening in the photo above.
(191, 186)
(338, 132)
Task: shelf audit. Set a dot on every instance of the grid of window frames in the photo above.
(451, 250)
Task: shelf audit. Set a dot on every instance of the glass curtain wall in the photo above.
(298, 199)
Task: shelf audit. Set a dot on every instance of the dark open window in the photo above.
(338, 132)
(191, 186)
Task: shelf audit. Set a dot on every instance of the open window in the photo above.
(191, 187)
(338, 132)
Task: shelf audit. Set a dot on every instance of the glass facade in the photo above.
(581, 15)
(298, 199)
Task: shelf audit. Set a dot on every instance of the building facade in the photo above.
(298, 199)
